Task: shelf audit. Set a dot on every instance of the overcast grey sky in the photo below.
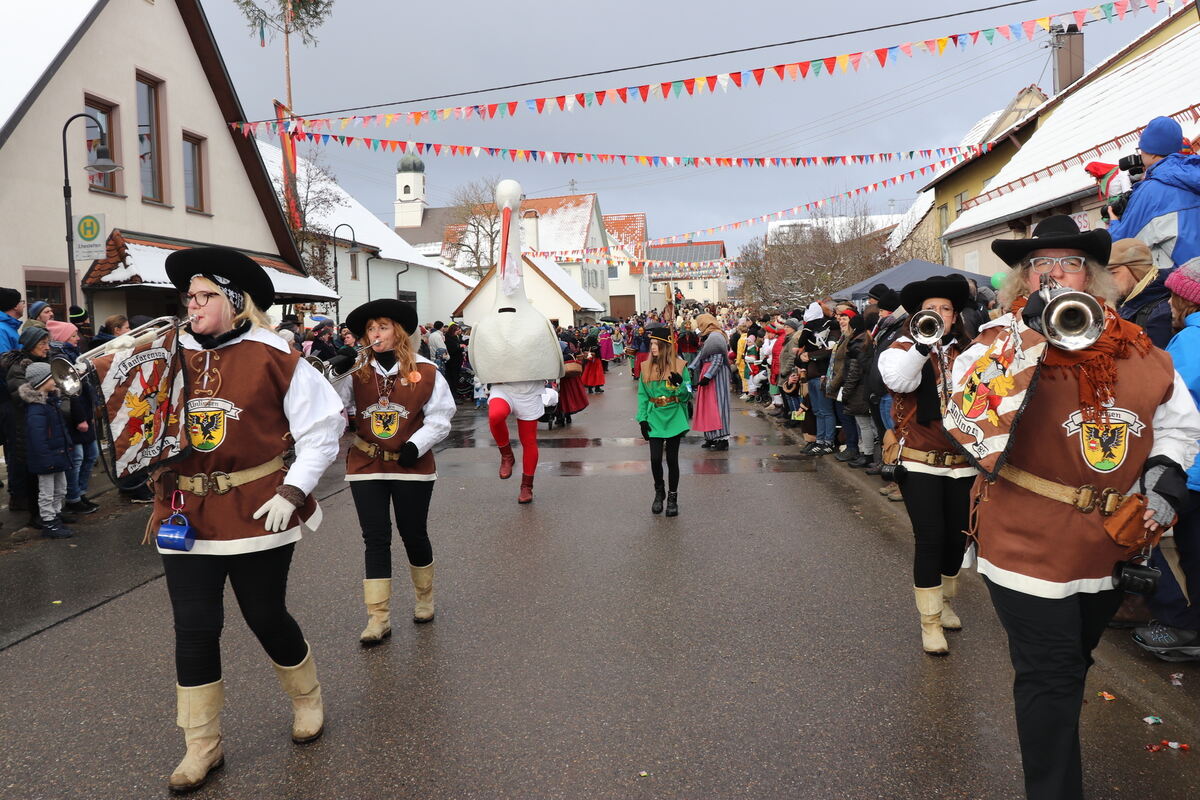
(374, 51)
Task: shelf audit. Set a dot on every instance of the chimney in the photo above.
(1068, 55)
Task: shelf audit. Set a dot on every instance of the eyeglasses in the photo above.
(198, 299)
(1044, 264)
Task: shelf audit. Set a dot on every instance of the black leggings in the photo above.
(939, 508)
(656, 454)
(196, 585)
(410, 501)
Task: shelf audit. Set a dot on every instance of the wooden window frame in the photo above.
(353, 266)
(200, 172)
(156, 144)
(110, 110)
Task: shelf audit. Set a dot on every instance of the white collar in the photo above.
(255, 334)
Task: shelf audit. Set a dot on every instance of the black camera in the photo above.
(893, 472)
(1136, 577)
(1132, 164)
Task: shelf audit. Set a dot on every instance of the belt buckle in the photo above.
(199, 484)
(1106, 497)
(931, 458)
(220, 482)
(1090, 491)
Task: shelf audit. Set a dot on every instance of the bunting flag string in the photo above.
(563, 157)
(693, 86)
(712, 266)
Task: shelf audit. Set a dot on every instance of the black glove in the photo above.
(408, 454)
(645, 430)
(923, 348)
(705, 381)
(1032, 313)
(674, 379)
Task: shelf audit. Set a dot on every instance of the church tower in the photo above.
(410, 192)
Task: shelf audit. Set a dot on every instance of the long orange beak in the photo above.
(505, 218)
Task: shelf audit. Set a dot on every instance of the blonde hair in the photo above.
(250, 312)
(1099, 283)
(406, 360)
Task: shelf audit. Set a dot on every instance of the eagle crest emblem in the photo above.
(385, 419)
(207, 419)
(1104, 445)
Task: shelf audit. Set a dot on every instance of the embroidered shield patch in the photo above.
(207, 421)
(1104, 445)
(384, 424)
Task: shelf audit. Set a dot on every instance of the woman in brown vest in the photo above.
(1103, 420)
(937, 480)
(402, 408)
(250, 397)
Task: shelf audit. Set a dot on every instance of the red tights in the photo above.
(498, 411)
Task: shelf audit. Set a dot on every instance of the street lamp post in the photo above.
(354, 250)
(104, 165)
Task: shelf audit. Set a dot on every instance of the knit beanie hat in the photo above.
(9, 298)
(1184, 280)
(1161, 137)
(31, 336)
(77, 314)
(61, 331)
(1133, 254)
(37, 373)
(792, 323)
(813, 312)
(35, 308)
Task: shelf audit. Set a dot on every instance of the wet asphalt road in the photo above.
(763, 644)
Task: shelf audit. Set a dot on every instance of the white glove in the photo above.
(278, 511)
(122, 342)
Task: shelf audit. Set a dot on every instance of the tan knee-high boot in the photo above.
(199, 714)
(376, 593)
(950, 620)
(929, 603)
(301, 684)
(422, 581)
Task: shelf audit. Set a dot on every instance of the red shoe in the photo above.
(526, 495)
(507, 459)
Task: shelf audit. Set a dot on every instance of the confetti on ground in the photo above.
(1168, 745)
(56, 602)
(643, 774)
(1152, 720)
(1177, 679)
(1106, 695)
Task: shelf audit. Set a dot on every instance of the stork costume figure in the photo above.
(514, 348)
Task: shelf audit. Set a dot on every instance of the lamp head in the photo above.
(103, 163)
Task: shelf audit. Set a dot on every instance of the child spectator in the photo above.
(48, 446)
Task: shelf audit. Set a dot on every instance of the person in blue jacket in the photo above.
(12, 306)
(1174, 635)
(47, 447)
(1164, 207)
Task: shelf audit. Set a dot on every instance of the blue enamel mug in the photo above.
(176, 533)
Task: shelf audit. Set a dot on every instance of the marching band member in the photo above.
(937, 480)
(402, 408)
(663, 392)
(1104, 417)
(249, 397)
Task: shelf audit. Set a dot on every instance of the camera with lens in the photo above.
(1136, 577)
(893, 472)
(1132, 164)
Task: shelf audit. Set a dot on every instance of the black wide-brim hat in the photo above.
(952, 287)
(1059, 232)
(404, 314)
(224, 263)
(660, 332)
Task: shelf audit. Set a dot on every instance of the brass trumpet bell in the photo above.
(1072, 320)
(926, 327)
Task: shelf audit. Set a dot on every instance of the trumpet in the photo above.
(341, 367)
(1071, 320)
(926, 327)
(69, 377)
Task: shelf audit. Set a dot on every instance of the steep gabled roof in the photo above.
(1112, 106)
(564, 222)
(553, 274)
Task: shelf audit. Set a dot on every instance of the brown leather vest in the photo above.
(389, 425)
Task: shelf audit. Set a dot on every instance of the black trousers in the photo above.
(1051, 643)
(375, 502)
(939, 509)
(671, 446)
(196, 585)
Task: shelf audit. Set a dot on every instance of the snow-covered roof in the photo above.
(910, 219)
(565, 283)
(146, 265)
(368, 229)
(980, 129)
(1110, 106)
(838, 227)
(627, 232)
(32, 39)
(563, 222)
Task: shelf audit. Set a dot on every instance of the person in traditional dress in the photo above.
(572, 397)
(663, 393)
(249, 398)
(402, 406)
(641, 345)
(593, 365)
(605, 338)
(1105, 419)
(937, 484)
(710, 373)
